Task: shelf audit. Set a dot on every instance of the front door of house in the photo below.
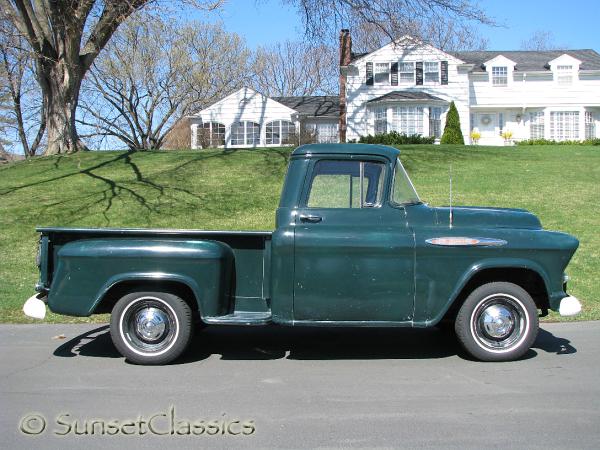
(486, 123)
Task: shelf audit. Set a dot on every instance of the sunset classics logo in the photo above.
(166, 423)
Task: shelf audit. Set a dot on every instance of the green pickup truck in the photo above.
(353, 246)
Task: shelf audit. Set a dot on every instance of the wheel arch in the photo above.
(114, 289)
(529, 276)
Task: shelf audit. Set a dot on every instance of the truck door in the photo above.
(354, 251)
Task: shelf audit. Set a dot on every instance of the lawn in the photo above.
(240, 190)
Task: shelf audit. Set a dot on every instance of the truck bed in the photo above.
(252, 251)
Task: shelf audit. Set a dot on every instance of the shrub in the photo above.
(595, 141)
(395, 138)
(452, 133)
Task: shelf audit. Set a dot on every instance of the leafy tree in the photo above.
(452, 133)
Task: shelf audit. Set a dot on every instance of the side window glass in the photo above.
(346, 184)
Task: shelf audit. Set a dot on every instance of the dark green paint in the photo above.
(367, 267)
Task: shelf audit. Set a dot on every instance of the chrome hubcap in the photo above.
(150, 324)
(498, 321)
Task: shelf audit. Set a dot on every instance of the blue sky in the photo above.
(573, 23)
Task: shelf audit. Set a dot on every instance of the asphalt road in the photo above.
(299, 388)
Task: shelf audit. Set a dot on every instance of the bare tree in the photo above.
(295, 68)
(26, 107)
(540, 40)
(154, 72)
(65, 37)
(5, 120)
(447, 35)
(322, 18)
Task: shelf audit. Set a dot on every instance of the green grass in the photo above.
(240, 190)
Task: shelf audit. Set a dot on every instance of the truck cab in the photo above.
(353, 246)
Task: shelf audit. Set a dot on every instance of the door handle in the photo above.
(310, 218)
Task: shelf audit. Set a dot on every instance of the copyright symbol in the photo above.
(32, 424)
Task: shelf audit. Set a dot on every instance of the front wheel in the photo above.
(151, 328)
(497, 322)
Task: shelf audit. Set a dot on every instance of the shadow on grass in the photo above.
(113, 188)
(270, 343)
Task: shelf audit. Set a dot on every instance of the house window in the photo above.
(564, 125)
(499, 76)
(324, 133)
(382, 73)
(245, 133)
(435, 122)
(380, 120)
(432, 72)
(280, 132)
(500, 123)
(564, 75)
(536, 125)
(590, 125)
(406, 72)
(408, 120)
(213, 134)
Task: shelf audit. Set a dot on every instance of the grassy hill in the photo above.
(240, 190)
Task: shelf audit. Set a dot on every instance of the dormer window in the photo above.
(406, 72)
(432, 72)
(564, 75)
(499, 76)
(382, 73)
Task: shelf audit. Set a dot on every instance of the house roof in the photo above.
(406, 96)
(314, 105)
(526, 60)
(530, 60)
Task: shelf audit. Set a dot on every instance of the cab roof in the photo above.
(345, 149)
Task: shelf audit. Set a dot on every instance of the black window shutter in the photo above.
(444, 72)
(419, 73)
(394, 74)
(370, 73)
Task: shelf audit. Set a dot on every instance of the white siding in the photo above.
(360, 121)
(243, 105)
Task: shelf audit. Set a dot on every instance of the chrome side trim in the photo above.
(463, 241)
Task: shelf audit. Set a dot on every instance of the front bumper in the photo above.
(569, 306)
(35, 306)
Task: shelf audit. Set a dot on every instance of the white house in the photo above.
(407, 86)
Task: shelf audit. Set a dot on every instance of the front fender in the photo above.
(87, 269)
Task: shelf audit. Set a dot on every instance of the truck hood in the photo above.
(477, 216)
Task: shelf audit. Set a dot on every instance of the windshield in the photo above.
(403, 190)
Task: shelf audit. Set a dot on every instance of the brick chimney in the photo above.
(345, 57)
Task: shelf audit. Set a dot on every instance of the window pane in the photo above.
(336, 184)
(536, 125)
(380, 120)
(435, 122)
(252, 133)
(408, 120)
(272, 132)
(382, 71)
(564, 125)
(432, 73)
(499, 76)
(403, 190)
(237, 133)
(564, 75)
(327, 132)
(406, 72)
(590, 125)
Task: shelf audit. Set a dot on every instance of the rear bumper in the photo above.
(569, 306)
(35, 306)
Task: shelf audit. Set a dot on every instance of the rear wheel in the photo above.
(151, 327)
(497, 322)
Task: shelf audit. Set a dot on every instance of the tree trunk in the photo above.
(61, 103)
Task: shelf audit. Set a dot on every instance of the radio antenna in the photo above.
(450, 176)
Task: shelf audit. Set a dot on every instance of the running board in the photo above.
(240, 318)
